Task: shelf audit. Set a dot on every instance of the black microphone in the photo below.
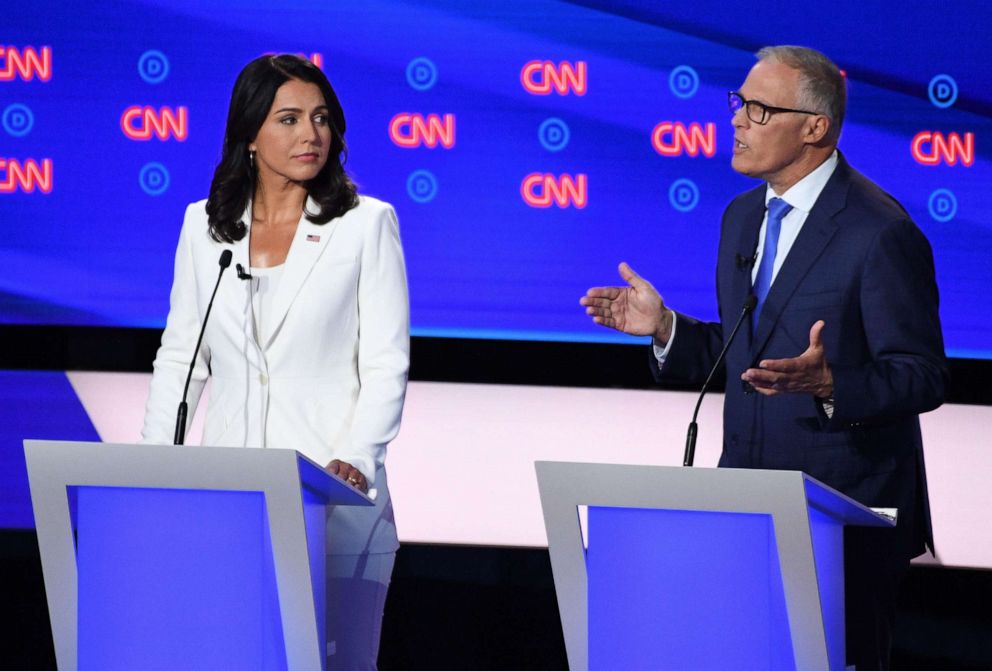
(690, 438)
(225, 261)
(242, 275)
(744, 262)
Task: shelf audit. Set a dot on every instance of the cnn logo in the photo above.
(409, 130)
(27, 64)
(143, 123)
(543, 190)
(933, 148)
(676, 139)
(25, 177)
(542, 77)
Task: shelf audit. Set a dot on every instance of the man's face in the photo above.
(769, 151)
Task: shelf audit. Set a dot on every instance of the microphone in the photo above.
(690, 438)
(180, 436)
(242, 275)
(744, 262)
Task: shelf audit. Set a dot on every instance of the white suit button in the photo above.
(263, 378)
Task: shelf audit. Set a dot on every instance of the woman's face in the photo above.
(295, 138)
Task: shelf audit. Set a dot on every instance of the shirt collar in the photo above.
(803, 194)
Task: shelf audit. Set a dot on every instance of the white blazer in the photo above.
(327, 376)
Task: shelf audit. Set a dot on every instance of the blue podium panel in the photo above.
(828, 548)
(176, 579)
(713, 598)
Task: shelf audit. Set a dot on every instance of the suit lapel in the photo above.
(817, 231)
(240, 250)
(307, 246)
(747, 245)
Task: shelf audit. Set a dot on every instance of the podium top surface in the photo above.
(713, 489)
(182, 467)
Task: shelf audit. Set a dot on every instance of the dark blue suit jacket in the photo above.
(861, 265)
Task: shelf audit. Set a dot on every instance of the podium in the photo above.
(183, 557)
(698, 568)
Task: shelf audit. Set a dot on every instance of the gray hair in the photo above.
(823, 88)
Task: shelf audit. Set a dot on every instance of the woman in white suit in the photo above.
(308, 343)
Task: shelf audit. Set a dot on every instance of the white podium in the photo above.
(182, 557)
(698, 568)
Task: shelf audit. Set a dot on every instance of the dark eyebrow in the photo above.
(298, 110)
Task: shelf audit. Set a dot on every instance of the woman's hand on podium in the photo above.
(349, 474)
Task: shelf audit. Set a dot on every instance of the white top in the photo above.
(263, 283)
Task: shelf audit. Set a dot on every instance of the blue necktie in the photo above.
(777, 209)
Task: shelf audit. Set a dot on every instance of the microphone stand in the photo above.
(180, 435)
(690, 438)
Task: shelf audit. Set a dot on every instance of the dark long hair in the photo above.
(235, 178)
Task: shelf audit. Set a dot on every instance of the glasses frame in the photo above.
(767, 111)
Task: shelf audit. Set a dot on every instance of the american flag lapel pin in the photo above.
(313, 238)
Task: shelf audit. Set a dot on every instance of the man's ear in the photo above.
(817, 129)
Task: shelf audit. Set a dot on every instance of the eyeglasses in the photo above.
(759, 113)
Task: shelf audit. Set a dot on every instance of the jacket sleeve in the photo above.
(174, 354)
(694, 350)
(696, 344)
(906, 373)
(383, 345)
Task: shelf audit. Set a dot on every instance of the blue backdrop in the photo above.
(468, 117)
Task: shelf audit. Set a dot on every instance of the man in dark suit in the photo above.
(844, 349)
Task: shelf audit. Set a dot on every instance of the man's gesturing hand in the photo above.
(637, 309)
(807, 373)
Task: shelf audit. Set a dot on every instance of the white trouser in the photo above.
(356, 596)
